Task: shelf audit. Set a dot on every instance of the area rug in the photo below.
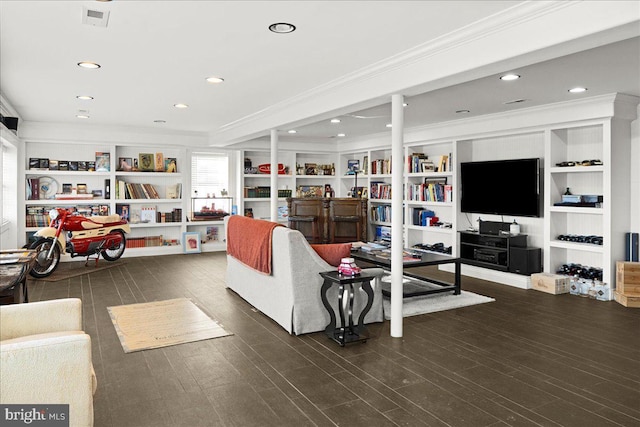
(162, 323)
(67, 270)
(437, 302)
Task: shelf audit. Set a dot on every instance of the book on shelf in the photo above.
(33, 188)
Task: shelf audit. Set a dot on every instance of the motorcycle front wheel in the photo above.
(113, 254)
(43, 267)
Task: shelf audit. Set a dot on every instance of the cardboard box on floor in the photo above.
(550, 283)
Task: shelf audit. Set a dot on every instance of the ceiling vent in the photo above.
(94, 17)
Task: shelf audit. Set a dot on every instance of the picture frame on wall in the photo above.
(191, 242)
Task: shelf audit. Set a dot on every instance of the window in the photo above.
(209, 174)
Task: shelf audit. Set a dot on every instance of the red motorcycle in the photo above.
(83, 236)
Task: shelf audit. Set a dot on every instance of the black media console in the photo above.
(503, 251)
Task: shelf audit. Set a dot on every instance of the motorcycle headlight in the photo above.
(53, 214)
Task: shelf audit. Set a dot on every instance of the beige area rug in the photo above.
(67, 270)
(161, 324)
(414, 306)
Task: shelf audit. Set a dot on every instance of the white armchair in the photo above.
(45, 357)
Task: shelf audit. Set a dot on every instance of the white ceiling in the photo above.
(158, 53)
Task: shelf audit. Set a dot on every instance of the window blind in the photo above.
(209, 173)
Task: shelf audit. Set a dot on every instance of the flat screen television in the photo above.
(501, 187)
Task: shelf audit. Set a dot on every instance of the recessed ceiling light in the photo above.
(82, 116)
(515, 101)
(159, 121)
(404, 104)
(293, 131)
(462, 111)
(282, 28)
(89, 65)
(181, 105)
(335, 120)
(578, 89)
(509, 77)
(389, 125)
(341, 135)
(85, 97)
(214, 79)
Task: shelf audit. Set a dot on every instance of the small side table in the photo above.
(349, 332)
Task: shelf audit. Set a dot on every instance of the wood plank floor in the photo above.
(527, 359)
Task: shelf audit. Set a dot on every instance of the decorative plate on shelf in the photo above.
(48, 187)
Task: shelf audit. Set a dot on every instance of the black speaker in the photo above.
(10, 122)
(525, 260)
(494, 227)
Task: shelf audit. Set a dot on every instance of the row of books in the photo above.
(129, 190)
(380, 190)
(380, 213)
(38, 216)
(430, 192)
(420, 163)
(381, 166)
(144, 242)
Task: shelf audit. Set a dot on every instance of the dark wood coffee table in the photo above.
(422, 285)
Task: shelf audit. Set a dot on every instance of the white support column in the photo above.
(397, 231)
(274, 175)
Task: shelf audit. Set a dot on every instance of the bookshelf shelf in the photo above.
(587, 247)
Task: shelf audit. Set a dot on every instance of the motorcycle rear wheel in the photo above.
(115, 254)
(44, 267)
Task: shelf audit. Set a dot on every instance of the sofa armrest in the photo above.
(52, 370)
(18, 320)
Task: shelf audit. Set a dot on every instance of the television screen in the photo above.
(501, 187)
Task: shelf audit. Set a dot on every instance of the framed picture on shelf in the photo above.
(170, 165)
(146, 163)
(123, 211)
(82, 165)
(125, 164)
(191, 242)
(103, 162)
(353, 165)
(159, 166)
(81, 188)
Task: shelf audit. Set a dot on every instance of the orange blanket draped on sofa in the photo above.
(249, 241)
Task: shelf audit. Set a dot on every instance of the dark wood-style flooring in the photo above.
(527, 359)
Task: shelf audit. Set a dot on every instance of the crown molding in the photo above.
(521, 121)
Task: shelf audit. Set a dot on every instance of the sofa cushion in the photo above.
(332, 253)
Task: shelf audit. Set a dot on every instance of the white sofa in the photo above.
(291, 294)
(45, 357)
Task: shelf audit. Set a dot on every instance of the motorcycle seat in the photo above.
(99, 221)
(106, 219)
